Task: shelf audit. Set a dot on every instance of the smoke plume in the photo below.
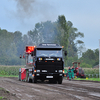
(41, 9)
(24, 7)
(30, 12)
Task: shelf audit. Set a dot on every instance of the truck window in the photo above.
(49, 53)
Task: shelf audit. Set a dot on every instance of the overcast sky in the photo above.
(22, 15)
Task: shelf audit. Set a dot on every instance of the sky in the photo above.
(22, 15)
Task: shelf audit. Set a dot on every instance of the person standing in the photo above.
(72, 70)
(69, 73)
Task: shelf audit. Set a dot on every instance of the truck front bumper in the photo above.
(47, 76)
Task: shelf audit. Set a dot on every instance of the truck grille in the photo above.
(49, 66)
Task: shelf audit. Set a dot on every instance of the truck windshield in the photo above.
(49, 53)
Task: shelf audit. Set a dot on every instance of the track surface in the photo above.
(68, 90)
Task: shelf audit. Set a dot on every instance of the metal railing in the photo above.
(92, 75)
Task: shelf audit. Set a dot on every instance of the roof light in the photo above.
(58, 59)
(62, 46)
(29, 49)
(40, 58)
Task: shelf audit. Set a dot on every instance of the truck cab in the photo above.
(49, 63)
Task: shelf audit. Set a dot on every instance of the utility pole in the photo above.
(99, 58)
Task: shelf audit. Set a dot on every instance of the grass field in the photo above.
(9, 71)
(90, 79)
(8, 75)
(13, 71)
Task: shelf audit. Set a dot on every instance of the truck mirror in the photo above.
(20, 56)
(23, 56)
(65, 53)
(32, 54)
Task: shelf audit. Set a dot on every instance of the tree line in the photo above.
(62, 32)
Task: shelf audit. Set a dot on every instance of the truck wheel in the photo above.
(19, 76)
(34, 80)
(42, 80)
(29, 80)
(60, 80)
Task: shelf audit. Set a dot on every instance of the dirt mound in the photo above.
(6, 95)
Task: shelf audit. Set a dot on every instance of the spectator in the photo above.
(69, 73)
(72, 70)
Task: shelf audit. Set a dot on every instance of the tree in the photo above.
(74, 47)
(90, 57)
(64, 31)
(35, 36)
(89, 54)
(17, 40)
(61, 32)
(10, 47)
(96, 51)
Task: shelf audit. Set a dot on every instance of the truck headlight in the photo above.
(44, 70)
(38, 71)
(35, 71)
(58, 59)
(60, 71)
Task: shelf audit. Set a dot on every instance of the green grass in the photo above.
(89, 79)
(8, 75)
(1, 98)
(1, 88)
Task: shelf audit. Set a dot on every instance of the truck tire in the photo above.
(34, 80)
(60, 80)
(42, 80)
(19, 76)
(29, 80)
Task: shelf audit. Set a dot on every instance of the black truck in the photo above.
(44, 62)
(49, 63)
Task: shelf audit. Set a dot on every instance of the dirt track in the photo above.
(68, 90)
